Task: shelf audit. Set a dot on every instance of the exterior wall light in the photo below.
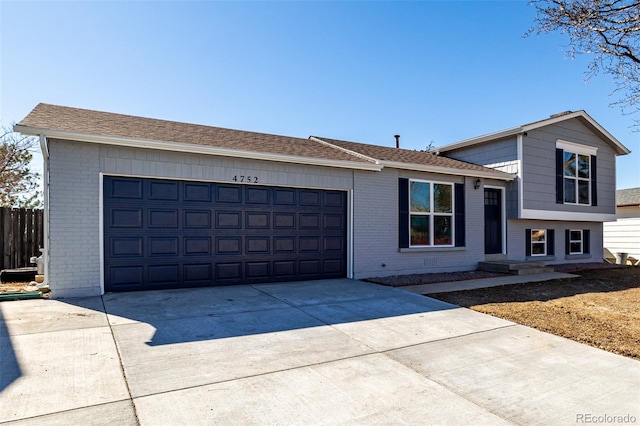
(476, 183)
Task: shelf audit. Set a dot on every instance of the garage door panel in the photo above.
(228, 271)
(163, 246)
(167, 234)
(197, 246)
(284, 197)
(228, 194)
(166, 191)
(125, 218)
(228, 245)
(125, 188)
(228, 220)
(164, 274)
(257, 195)
(127, 275)
(309, 267)
(125, 246)
(309, 220)
(334, 199)
(197, 192)
(309, 244)
(257, 220)
(163, 218)
(198, 273)
(257, 245)
(197, 219)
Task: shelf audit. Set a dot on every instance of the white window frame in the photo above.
(543, 243)
(577, 150)
(581, 241)
(432, 214)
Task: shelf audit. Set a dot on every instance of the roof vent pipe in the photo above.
(397, 140)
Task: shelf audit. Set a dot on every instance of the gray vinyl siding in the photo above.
(499, 151)
(538, 169)
(516, 240)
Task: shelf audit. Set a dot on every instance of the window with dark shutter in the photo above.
(594, 181)
(403, 213)
(459, 225)
(559, 176)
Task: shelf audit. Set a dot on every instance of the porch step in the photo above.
(515, 267)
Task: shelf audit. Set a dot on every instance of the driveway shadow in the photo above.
(198, 314)
(9, 367)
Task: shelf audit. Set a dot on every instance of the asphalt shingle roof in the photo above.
(76, 122)
(628, 197)
(406, 156)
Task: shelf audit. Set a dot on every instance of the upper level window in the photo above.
(576, 174)
(577, 178)
(430, 213)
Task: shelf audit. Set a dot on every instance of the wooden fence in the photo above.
(22, 233)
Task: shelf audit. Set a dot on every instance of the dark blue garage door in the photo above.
(171, 234)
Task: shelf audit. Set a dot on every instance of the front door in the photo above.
(492, 221)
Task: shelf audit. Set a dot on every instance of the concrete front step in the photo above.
(515, 267)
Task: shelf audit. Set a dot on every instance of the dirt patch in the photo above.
(599, 308)
(415, 279)
(21, 287)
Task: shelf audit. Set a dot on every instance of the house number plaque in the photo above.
(245, 179)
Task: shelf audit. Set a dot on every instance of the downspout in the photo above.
(44, 146)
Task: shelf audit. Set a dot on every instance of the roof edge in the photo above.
(193, 149)
(581, 114)
(346, 151)
(488, 174)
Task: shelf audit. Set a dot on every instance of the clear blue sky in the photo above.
(361, 71)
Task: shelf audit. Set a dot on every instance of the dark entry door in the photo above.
(171, 234)
(492, 221)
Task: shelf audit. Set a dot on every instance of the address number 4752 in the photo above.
(245, 179)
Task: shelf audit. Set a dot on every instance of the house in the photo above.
(563, 191)
(135, 203)
(623, 235)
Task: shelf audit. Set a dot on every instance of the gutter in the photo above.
(196, 149)
(44, 146)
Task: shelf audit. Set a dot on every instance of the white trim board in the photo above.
(566, 216)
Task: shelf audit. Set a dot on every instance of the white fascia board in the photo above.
(197, 149)
(449, 171)
(566, 216)
(480, 139)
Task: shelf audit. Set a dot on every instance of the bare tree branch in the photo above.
(18, 183)
(609, 30)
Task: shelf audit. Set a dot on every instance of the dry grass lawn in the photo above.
(600, 308)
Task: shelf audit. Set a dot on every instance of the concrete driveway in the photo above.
(320, 352)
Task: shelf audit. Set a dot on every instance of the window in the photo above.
(577, 178)
(576, 181)
(430, 213)
(575, 241)
(538, 242)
